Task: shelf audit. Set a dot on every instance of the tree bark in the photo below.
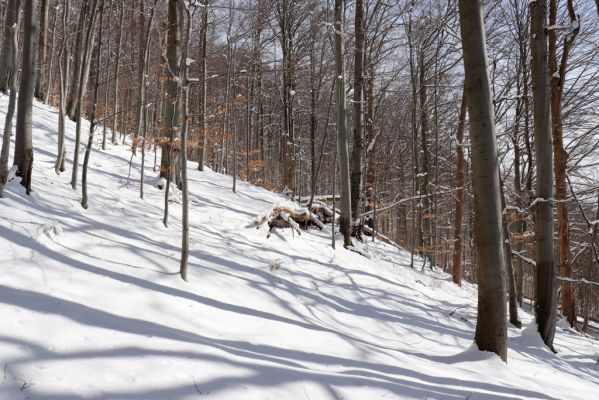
(10, 111)
(173, 64)
(342, 150)
(459, 197)
(64, 63)
(491, 331)
(203, 87)
(556, 85)
(358, 143)
(546, 289)
(87, 49)
(23, 158)
(6, 61)
(41, 52)
(117, 66)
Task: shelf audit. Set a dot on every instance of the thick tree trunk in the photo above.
(357, 154)
(546, 289)
(173, 64)
(6, 61)
(459, 197)
(491, 330)
(23, 144)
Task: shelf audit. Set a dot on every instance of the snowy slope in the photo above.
(92, 307)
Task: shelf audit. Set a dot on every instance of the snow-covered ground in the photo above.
(92, 307)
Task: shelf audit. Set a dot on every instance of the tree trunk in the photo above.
(48, 87)
(507, 257)
(23, 144)
(343, 153)
(87, 49)
(117, 65)
(491, 331)
(546, 289)
(92, 123)
(459, 199)
(561, 155)
(358, 143)
(203, 88)
(41, 52)
(10, 112)
(6, 61)
(173, 64)
(64, 63)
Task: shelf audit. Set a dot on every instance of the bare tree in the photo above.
(358, 142)
(491, 330)
(342, 143)
(23, 143)
(10, 111)
(546, 290)
(6, 61)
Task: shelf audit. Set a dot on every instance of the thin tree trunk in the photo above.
(64, 63)
(117, 65)
(203, 88)
(342, 150)
(48, 88)
(41, 52)
(507, 257)
(92, 124)
(557, 81)
(459, 197)
(10, 111)
(183, 167)
(87, 49)
(491, 330)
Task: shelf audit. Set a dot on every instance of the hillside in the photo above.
(92, 305)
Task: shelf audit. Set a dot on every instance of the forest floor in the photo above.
(92, 306)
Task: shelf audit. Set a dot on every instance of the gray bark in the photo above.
(23, 143)
(203, 88)
(6, 61)
(87, 49)
(117, 65)
(41, 52)
(64, 64)
(546, 288)
(342, 148)
(173, 62)
(491, 330)
(358, 143)
(10, 112)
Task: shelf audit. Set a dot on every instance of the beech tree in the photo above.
(23, 158)
(491, 330)
(546, 289)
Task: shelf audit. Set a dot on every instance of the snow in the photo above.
(92, 306)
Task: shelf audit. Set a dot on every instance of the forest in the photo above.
(464, 134)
